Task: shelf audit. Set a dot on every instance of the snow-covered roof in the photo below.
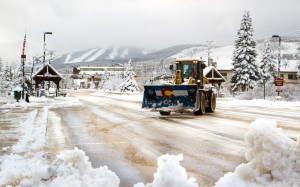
(216, 75)
(189, 59)
(42, 67)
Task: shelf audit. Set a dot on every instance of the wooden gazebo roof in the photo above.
(47, 73)
(213, 75)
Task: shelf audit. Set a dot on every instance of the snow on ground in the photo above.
(67, 60)
(135, 96)
(113, 54)
(84, 56)
(258, 102)
(96, 55)
(272, 157)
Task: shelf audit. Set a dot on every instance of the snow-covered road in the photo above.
(117, 132)
(114, 131)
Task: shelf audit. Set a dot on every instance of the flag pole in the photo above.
(23, 57)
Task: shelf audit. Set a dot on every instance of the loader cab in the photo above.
(190, 69)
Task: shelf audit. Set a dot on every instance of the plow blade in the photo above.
(169, 96)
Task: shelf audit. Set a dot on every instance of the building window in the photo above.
(281, 75)
(224, 74)
(292, 76)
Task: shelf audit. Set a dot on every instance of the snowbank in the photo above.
(170, 174)
(71, 168)
(273, 158)
(259, 102)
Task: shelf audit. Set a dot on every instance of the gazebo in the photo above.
(46, 73)
(214, 77)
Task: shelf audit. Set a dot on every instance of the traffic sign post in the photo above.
(279, 82)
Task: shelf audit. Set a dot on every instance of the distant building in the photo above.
(90, 76)
(288, 71)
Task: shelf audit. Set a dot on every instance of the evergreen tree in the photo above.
(298, 57)
(245, 73)
(1, 65)
(1, 76)
(130, 83)
(17, 77)
(268, 64)
(6, 77)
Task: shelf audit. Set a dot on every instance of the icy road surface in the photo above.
(116, 132)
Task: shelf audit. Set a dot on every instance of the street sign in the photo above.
(278, 82)
(279, 90)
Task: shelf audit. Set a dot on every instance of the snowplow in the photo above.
(187, 92)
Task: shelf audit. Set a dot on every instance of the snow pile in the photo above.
(71, 168)
(170, 173)
(32, 134)
(274, 159)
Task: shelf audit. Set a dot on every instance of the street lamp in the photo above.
(279, 39)
(44, 59)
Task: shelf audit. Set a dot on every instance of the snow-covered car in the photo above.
(51, 92)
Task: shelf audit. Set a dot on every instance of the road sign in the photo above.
(279, 90)
(278, 82)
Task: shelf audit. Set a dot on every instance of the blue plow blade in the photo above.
(160, 96)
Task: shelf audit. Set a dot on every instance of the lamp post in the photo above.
(44, 59)
(279, 40)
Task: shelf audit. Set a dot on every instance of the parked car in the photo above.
(51, 92)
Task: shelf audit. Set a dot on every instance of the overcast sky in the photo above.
(149, 24)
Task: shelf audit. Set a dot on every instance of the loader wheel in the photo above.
(212, 102)
(164, 113)
(200, 104)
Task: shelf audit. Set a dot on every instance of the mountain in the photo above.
(220, 54)
(103, 56)
(97, 56)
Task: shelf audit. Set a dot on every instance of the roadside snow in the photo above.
(273, 158)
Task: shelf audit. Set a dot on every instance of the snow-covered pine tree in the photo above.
(298, 57)
(129, 84)
(5, 78)
(1, 76)
(104, 83)
(268, 67)
(245, 73)
(17, 77)
(1, 65)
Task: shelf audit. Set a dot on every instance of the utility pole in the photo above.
(208, 51)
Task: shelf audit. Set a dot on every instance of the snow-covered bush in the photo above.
(129, 84)
(290, 92)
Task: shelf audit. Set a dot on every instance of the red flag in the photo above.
(24, 44)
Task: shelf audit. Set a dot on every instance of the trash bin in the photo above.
(17, 95)
(42, 92)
